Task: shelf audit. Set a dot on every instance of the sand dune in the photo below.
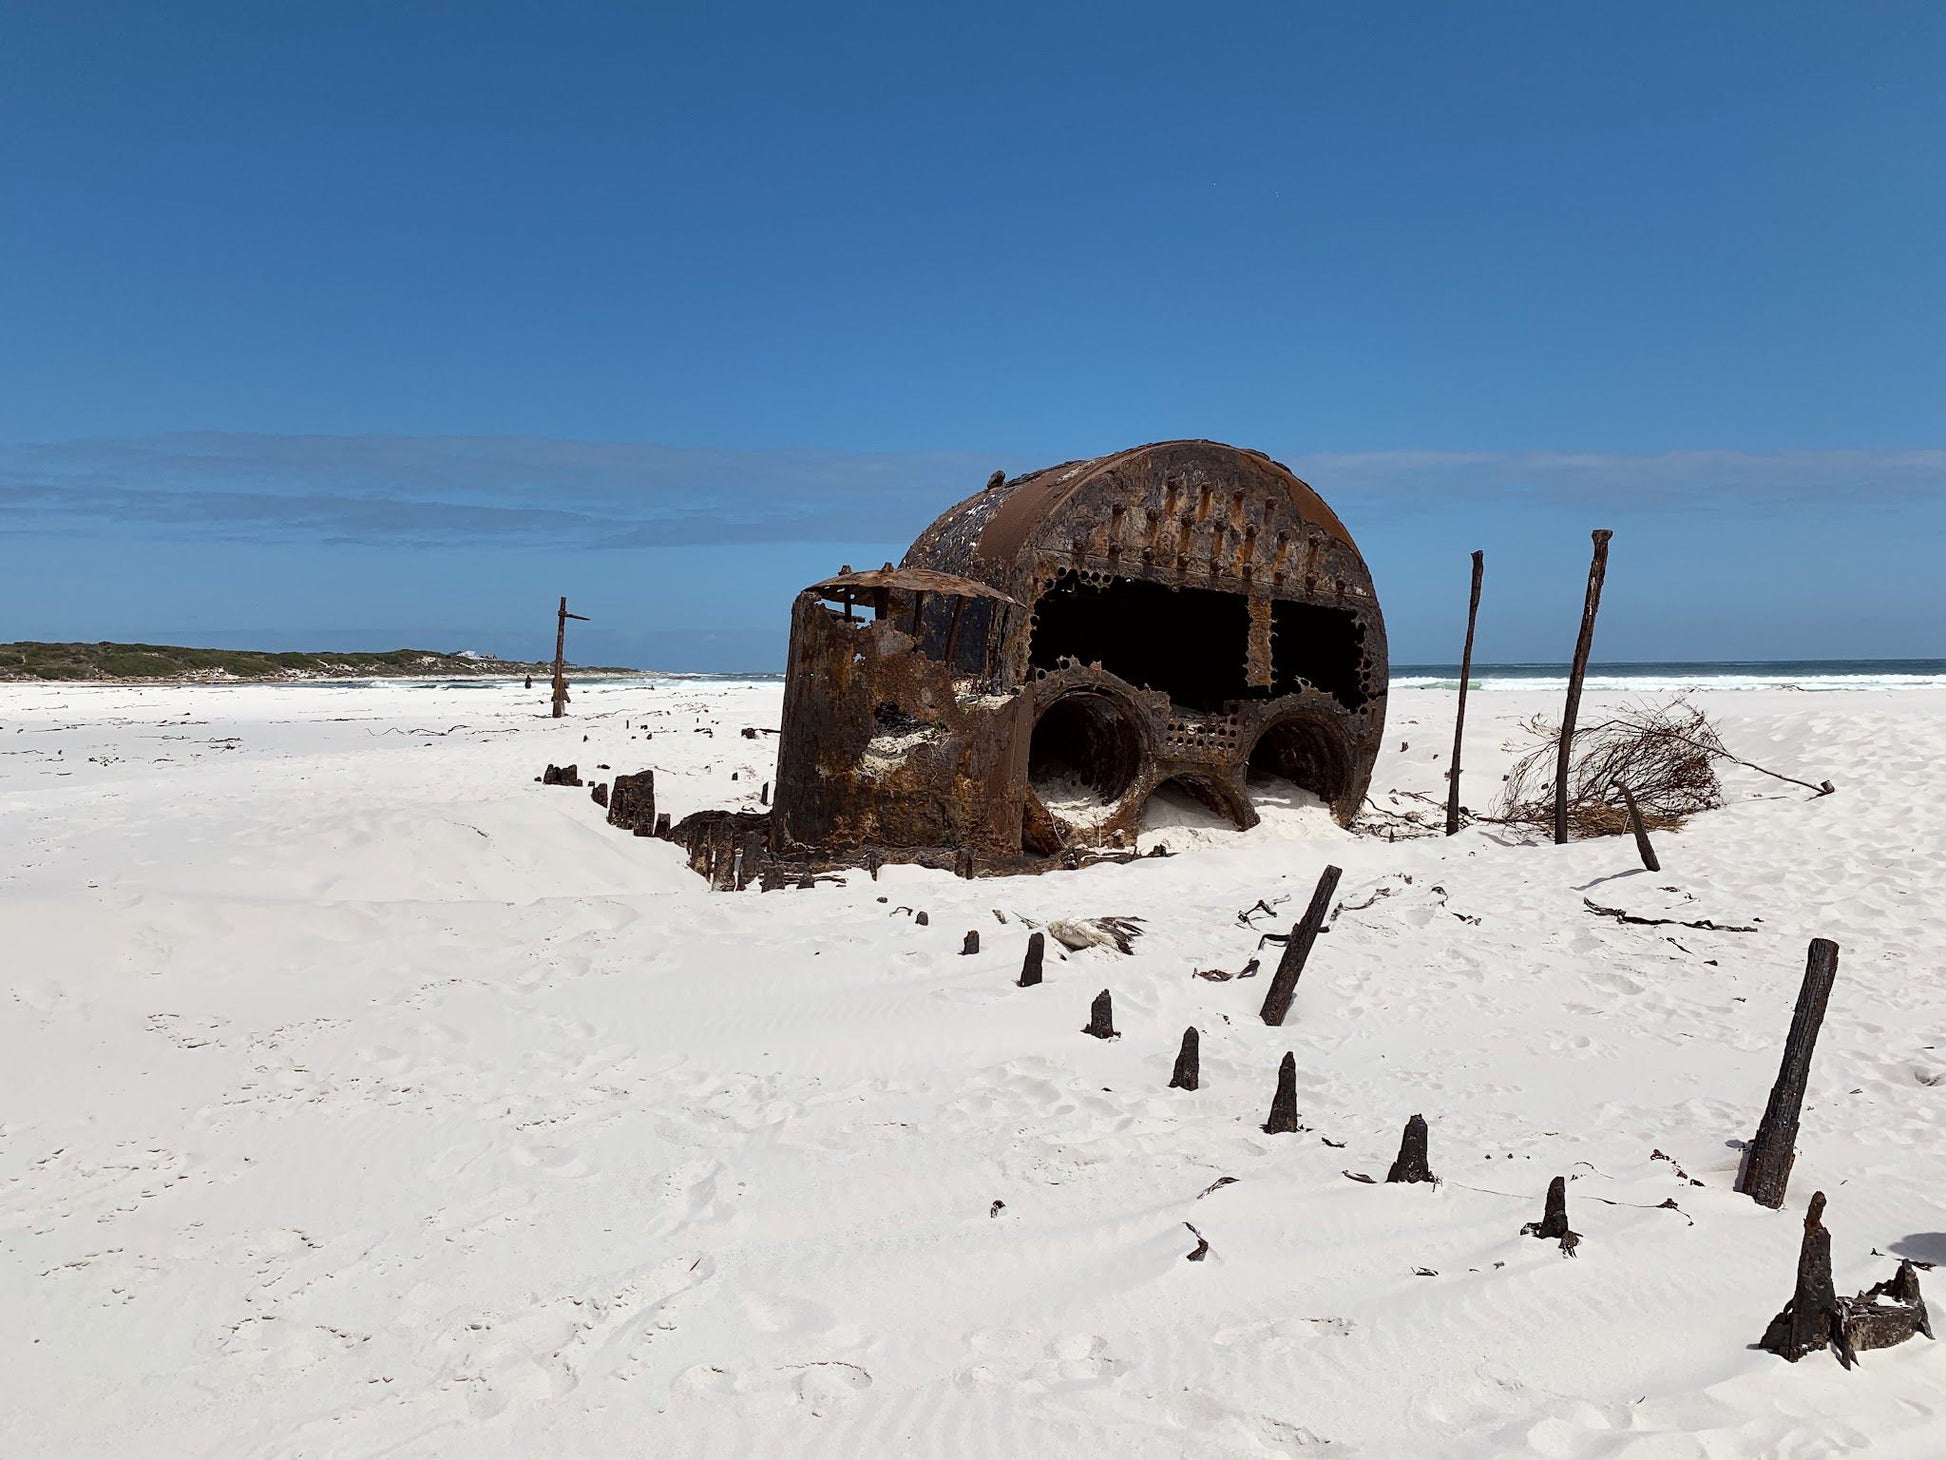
(364, 1097)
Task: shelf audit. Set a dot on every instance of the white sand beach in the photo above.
(362, 1096)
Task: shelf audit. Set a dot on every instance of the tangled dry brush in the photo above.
(1665, 754)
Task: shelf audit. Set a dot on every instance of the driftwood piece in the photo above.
(1703, 925)
(1283, 985)
(1030, 966)
(1765, 1171)
(1189, 1060)
(1283, 1105)
(1101, 1017)
(1584, 643)
(1642, 845)
(1459, 715)
(1411, 1164)
(971, 944)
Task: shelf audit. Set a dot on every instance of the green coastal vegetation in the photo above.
(172, 662)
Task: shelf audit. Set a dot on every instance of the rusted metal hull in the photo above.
(1055, 650)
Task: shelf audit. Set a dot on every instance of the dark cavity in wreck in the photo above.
(1053, 652)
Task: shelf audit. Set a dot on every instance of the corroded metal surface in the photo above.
(1053, 651)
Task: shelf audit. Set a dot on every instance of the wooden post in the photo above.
(1649, 858)
(560, 657)
(1459, 718)
(1030, 967)
(1283, 1105)
(1101, 1018)
(1584, 642)
(1283, 987)
(1188, 1075)
(1766, 1169)
(1412, 1164)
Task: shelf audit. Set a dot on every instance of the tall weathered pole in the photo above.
(1283, 985)
(1459, 719)
(1597, 571)
(560, 658)
(1766, 1169)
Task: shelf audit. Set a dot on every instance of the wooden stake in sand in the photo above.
(1101, 1018)
(1649, 858)
(1188, 1062)
(1283, 987)
(971, 944)
(560, 658)
(1583, 644)
(1283, 1105)
(1030, 966)
(1459, 717)
(1412, 1164)
(1766, 1169)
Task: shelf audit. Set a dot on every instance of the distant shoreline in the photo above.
(111, 663)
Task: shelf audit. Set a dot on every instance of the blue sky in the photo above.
(377, 324)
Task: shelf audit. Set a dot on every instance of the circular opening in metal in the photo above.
(1084, 754)
(1304, 753)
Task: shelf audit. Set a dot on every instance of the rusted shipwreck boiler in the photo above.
(1052, 652)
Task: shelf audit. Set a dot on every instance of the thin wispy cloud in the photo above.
(401, 490)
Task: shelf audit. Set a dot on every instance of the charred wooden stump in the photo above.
(662, 824)
(1030, 966)
(1101, 1018)
(1188, 1073)
(598, 793)
(1412, 1164)
(1636, 825)
(1810, 1320)
(1765, 1172)
(1283, 986)
(1554, 1218)
(1887, 1313)
(631, 801)
(561, 775)
(970, 944)
(1283, 1105)
(1459, 715)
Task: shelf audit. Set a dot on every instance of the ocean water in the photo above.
(1648, 677)
(1813, 675)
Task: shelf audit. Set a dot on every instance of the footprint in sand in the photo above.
(697, 1191)
(1013, 1359)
